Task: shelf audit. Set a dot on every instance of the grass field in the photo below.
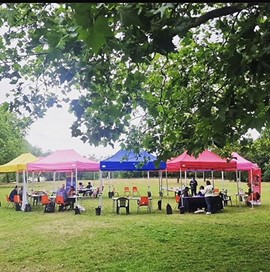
(234, 240)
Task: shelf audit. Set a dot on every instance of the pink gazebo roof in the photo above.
(64, 161)
(242, 163)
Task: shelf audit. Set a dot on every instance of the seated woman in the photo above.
(81, 189)
(185, 192)
(201, 191)
(70, 199)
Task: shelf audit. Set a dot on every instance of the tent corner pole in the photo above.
(100, 190)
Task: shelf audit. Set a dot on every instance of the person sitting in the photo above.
(71, 191)
(70, 197)
(81, 189)
(89, 185)
(185, 192)
(89, 189)
(97, 192)
(13, 193)
(62, 192)
(201, 191)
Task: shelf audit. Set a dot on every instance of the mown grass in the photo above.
(234, 240)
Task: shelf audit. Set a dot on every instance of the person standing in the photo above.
(193, 186)
(208, 194)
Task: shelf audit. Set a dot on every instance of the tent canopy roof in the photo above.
(207, 160)
(125, 160)
(64, 161)
(242, 163)
(18, 164)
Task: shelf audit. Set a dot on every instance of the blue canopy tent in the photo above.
(126, 160)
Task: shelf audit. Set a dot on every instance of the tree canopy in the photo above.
(162, 76)
(11, 136)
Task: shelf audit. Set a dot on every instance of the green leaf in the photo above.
(129, 16)
(98, 34)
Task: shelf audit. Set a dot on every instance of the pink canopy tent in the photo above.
(254, 171)
(207, 160)
(242, 163)
(64, 161)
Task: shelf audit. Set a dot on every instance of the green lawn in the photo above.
(234, 240)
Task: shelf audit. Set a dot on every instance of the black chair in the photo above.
(122, 202)
(226, 198)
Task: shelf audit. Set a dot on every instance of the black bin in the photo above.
(98, 211)
(159, 204)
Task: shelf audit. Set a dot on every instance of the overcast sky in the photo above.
(53, 133)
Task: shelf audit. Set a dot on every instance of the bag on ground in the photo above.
(169, 209)
(77, 210)
(28, 208)
(17, 207)
(49, 208)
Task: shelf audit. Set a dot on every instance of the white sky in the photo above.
(53, 133)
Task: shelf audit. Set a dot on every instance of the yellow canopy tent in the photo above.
(17, 165)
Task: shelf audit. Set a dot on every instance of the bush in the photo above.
(266, 175)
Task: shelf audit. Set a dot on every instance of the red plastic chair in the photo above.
(126, 191)
(135, 191)
(45, 200)
(177, 200)
(8, 202)
(59, 200)
(144, 202)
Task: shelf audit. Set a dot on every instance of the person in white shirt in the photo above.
(208, 194)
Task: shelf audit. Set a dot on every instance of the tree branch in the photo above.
(216, 13)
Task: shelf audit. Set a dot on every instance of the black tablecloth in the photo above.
(191, 204)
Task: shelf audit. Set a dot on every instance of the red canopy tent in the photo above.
(207, 160)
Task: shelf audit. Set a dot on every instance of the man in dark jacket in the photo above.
(193, 186)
